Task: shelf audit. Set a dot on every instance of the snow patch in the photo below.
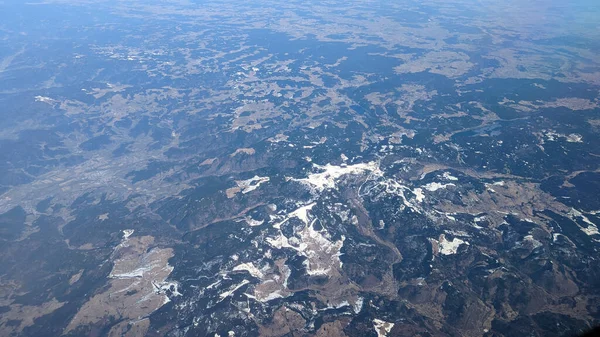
(326, 179)
(556, 235)
(250, 268)
(591, 229)
(253, 223)
(321, 253)
(432, 187)
(479, 218)
(449, 216)
(449, 247)
(574, 138)
(279, 242)
(419, 196)
(382, 327)
(358, 305)
(533, 241)
(127, 233)
(383, 187)
(272, 296)
(251, 184)
(570, 138)
(163, 287)
(448, 176)
(44, 99)
(301, 213)
(231, 291)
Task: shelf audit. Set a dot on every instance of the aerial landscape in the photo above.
(299, 168)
